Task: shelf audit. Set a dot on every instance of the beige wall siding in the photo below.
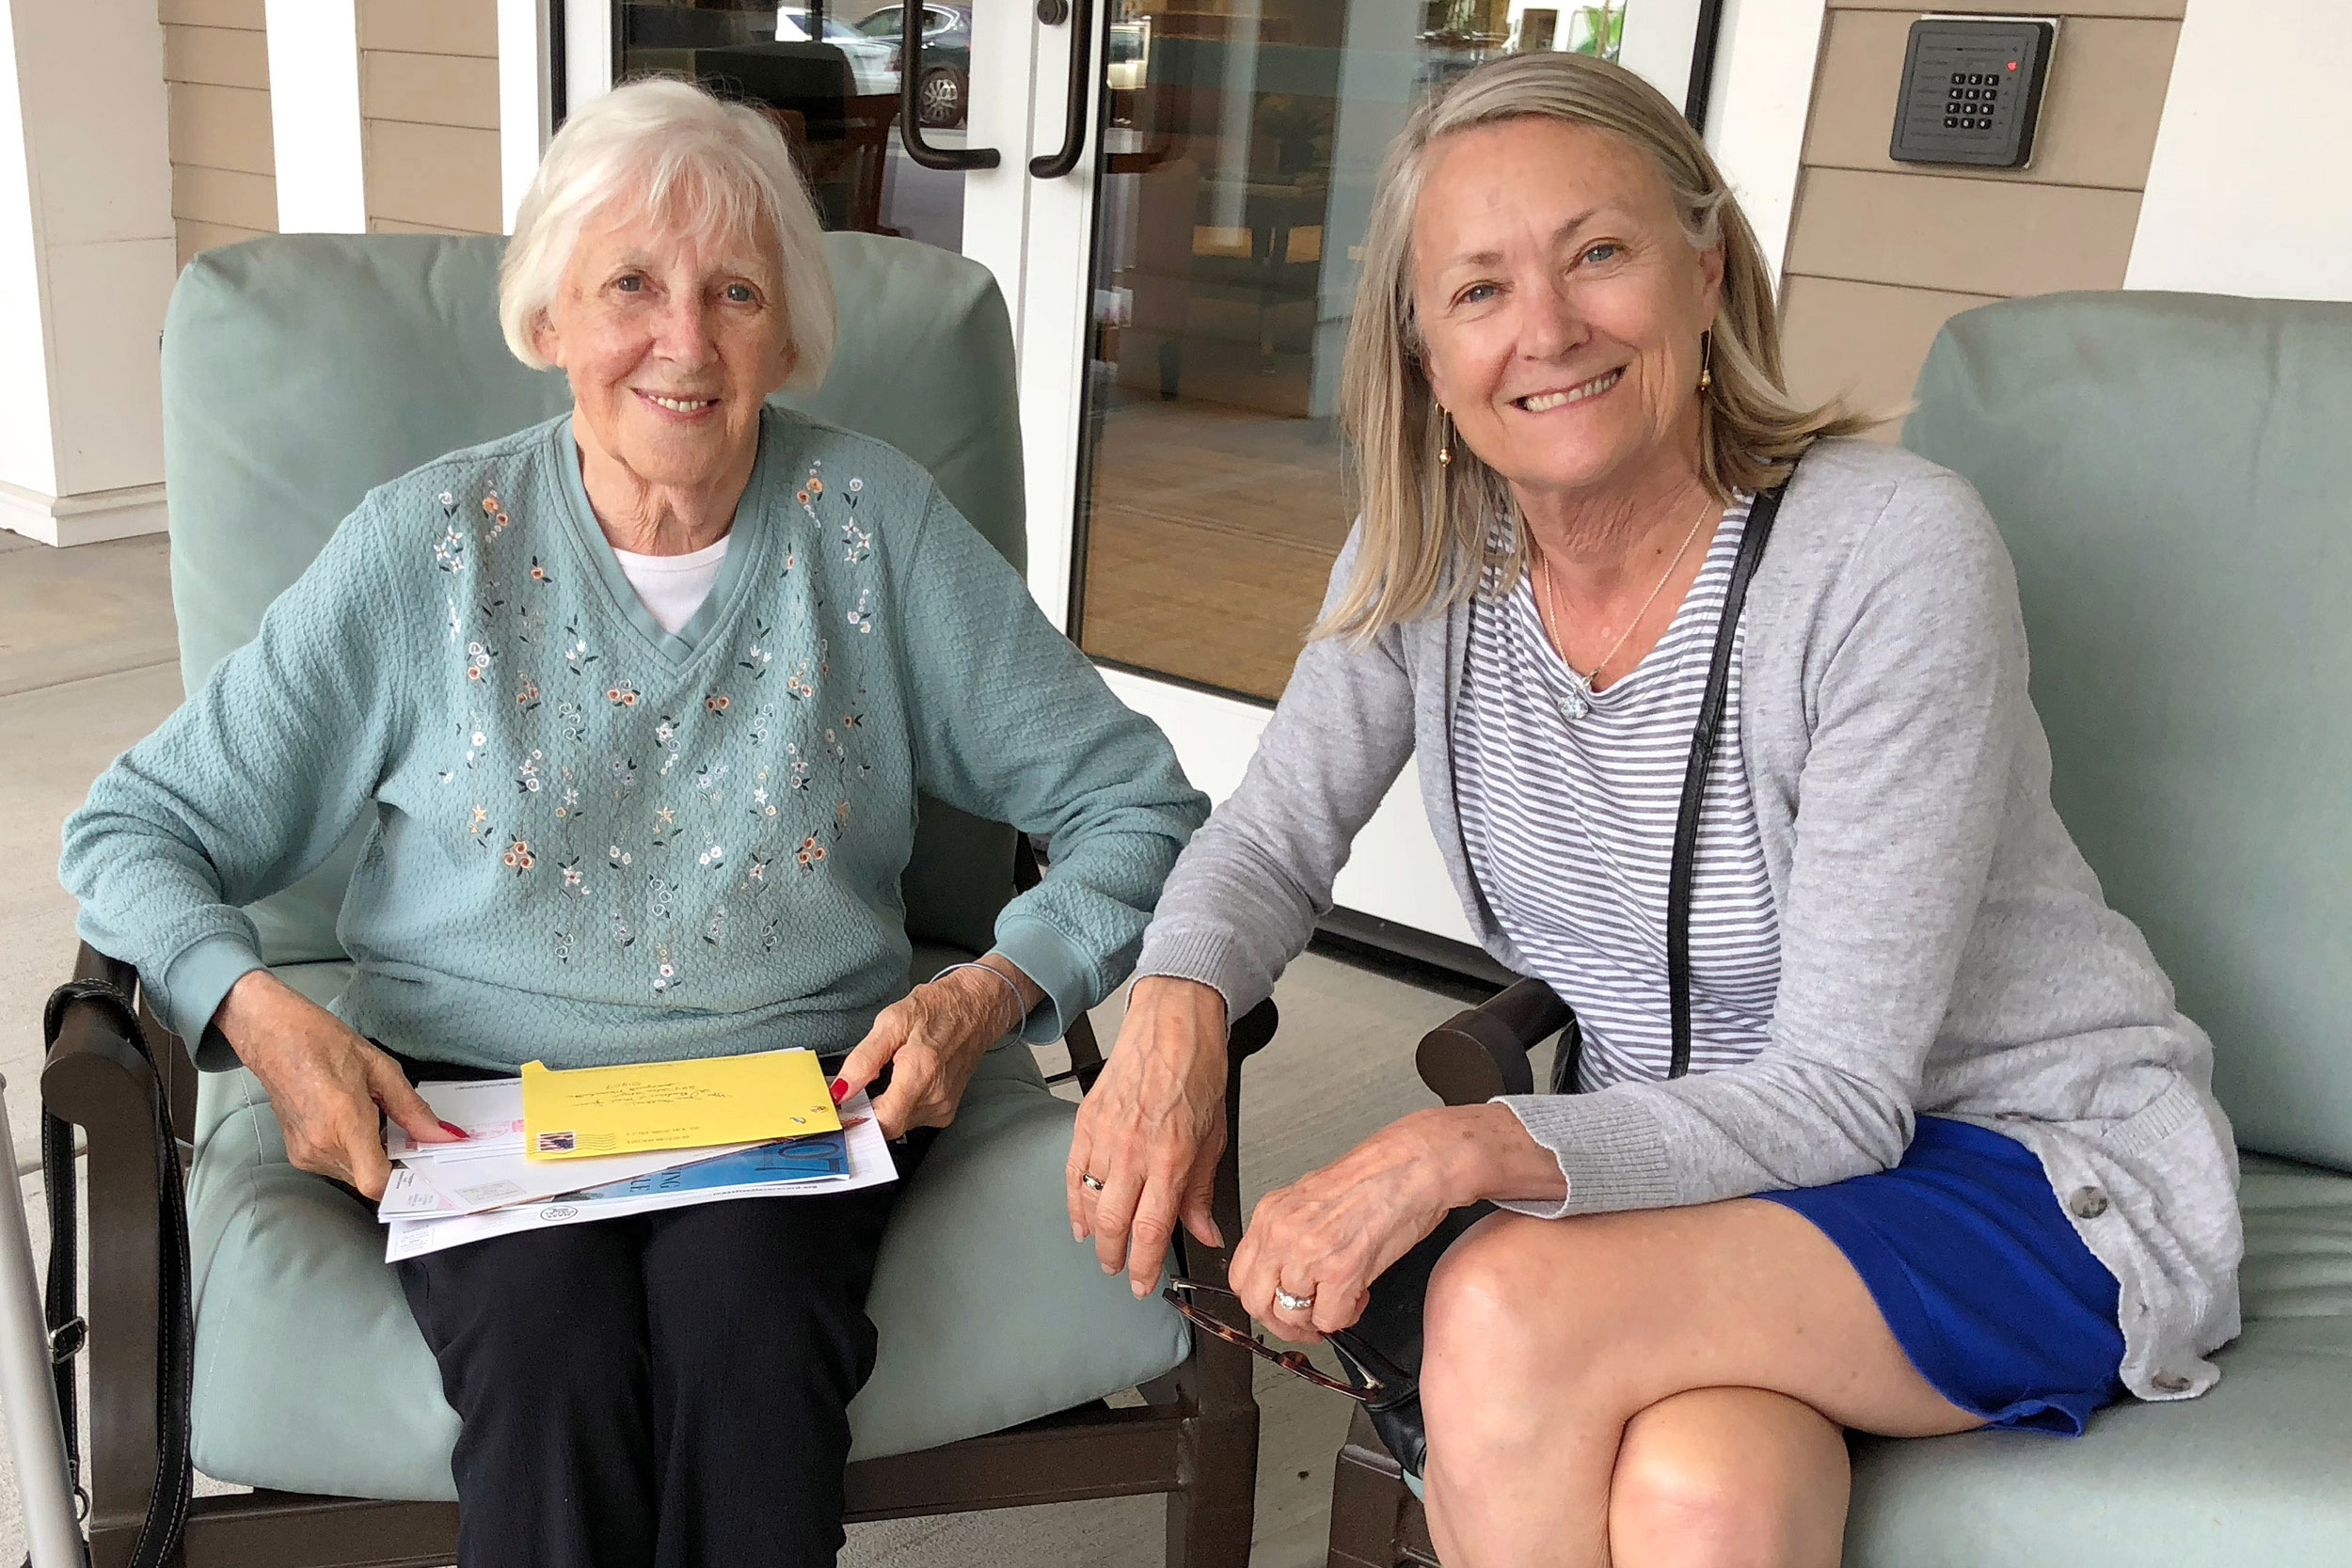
(216, 70)
(429, 106)
(1882, 254)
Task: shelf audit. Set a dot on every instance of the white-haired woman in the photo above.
(638, 703)
(1947, 1155)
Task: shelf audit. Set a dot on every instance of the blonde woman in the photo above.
(1946, 1156)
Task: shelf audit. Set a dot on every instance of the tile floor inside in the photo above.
(89, 665)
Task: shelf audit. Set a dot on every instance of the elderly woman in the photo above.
(636, 705)
(1946, 1156)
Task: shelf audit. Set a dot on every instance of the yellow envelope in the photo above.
(580, 1111)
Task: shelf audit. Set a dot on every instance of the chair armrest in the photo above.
(99, 1081)
(1483, 1051)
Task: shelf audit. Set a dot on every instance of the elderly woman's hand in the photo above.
(1145, 1150)
(1333, 1231)
(325, 1080)
(932, 1039)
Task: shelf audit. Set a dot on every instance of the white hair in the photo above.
(665, 146)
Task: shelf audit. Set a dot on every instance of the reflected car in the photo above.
(943, 90)
(873, 64)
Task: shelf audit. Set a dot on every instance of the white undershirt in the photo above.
(672, 587)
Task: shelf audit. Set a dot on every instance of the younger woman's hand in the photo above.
(1333, 1231)
(932, 1040)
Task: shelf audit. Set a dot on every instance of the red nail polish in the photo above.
(840, 1090)
(453, 1130)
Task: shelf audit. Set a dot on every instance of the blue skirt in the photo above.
(1981, 1276)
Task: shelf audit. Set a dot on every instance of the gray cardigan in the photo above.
(1945, 947)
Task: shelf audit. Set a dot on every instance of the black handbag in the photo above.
(1382, 1348)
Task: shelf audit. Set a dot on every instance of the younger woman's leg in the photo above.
(540, 1340)
(1719, 1477)
(1545, 1340)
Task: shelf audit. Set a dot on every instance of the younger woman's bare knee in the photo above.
(1729, 1477)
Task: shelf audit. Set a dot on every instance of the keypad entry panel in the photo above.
(1972, 90)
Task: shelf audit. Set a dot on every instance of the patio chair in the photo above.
(298, 372)
(2169, 472)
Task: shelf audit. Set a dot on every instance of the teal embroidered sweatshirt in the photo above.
(592, 841)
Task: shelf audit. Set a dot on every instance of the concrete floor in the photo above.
(89, 664)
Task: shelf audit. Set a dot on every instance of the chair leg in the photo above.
(1210, 1522)
(1373, 1512)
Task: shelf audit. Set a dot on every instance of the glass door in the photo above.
(1241, 140)
(959, 149)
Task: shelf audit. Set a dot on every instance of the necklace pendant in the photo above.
(1576, 699)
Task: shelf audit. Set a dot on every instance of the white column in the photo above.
(1764, 65)
(86, 263)
(587, 50)
(522, 99)
(2246, 192)
(314, 116)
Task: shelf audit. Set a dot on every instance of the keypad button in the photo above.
(1949, 123)
(1958, 79)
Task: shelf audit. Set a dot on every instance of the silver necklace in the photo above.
(1577, 700)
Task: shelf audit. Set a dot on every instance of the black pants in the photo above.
(664, 1390)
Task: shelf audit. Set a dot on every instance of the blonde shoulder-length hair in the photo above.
(1431, 532)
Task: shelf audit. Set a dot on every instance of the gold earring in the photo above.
(1445, 442)
(1707, 360)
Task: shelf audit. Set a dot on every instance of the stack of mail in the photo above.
(445, 1195)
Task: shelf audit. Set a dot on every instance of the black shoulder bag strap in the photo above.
(1686, 854)
(167, 1501)
(1384, 1346)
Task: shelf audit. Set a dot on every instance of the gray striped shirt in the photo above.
(1569, 823)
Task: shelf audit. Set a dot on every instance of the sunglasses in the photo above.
(1380, 1374)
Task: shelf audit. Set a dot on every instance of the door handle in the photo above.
(1073, 136)
(910, 111)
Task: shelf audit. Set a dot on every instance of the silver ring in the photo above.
(1091, 1183)
(1293, 1304)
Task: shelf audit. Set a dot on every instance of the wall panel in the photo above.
(439, 177)
(1881, 253)
(223, 184)
(429, 106)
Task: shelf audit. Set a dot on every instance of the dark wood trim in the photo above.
(1704, 49)
(278, 1530)
(1406, 952)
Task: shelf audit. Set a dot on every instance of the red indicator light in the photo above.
(2012, 65)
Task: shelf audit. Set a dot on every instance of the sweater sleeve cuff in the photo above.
(1061, 971)
(1612, 1153)
(196, 982)
(1212, 958)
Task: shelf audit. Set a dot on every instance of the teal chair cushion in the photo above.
(311, 1375)
(2171, 473)
(302, 371)
(2257, 1471)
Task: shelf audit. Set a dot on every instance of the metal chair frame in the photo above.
(1480, 1052)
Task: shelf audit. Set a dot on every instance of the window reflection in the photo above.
(827, 75)
(1244, 139)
